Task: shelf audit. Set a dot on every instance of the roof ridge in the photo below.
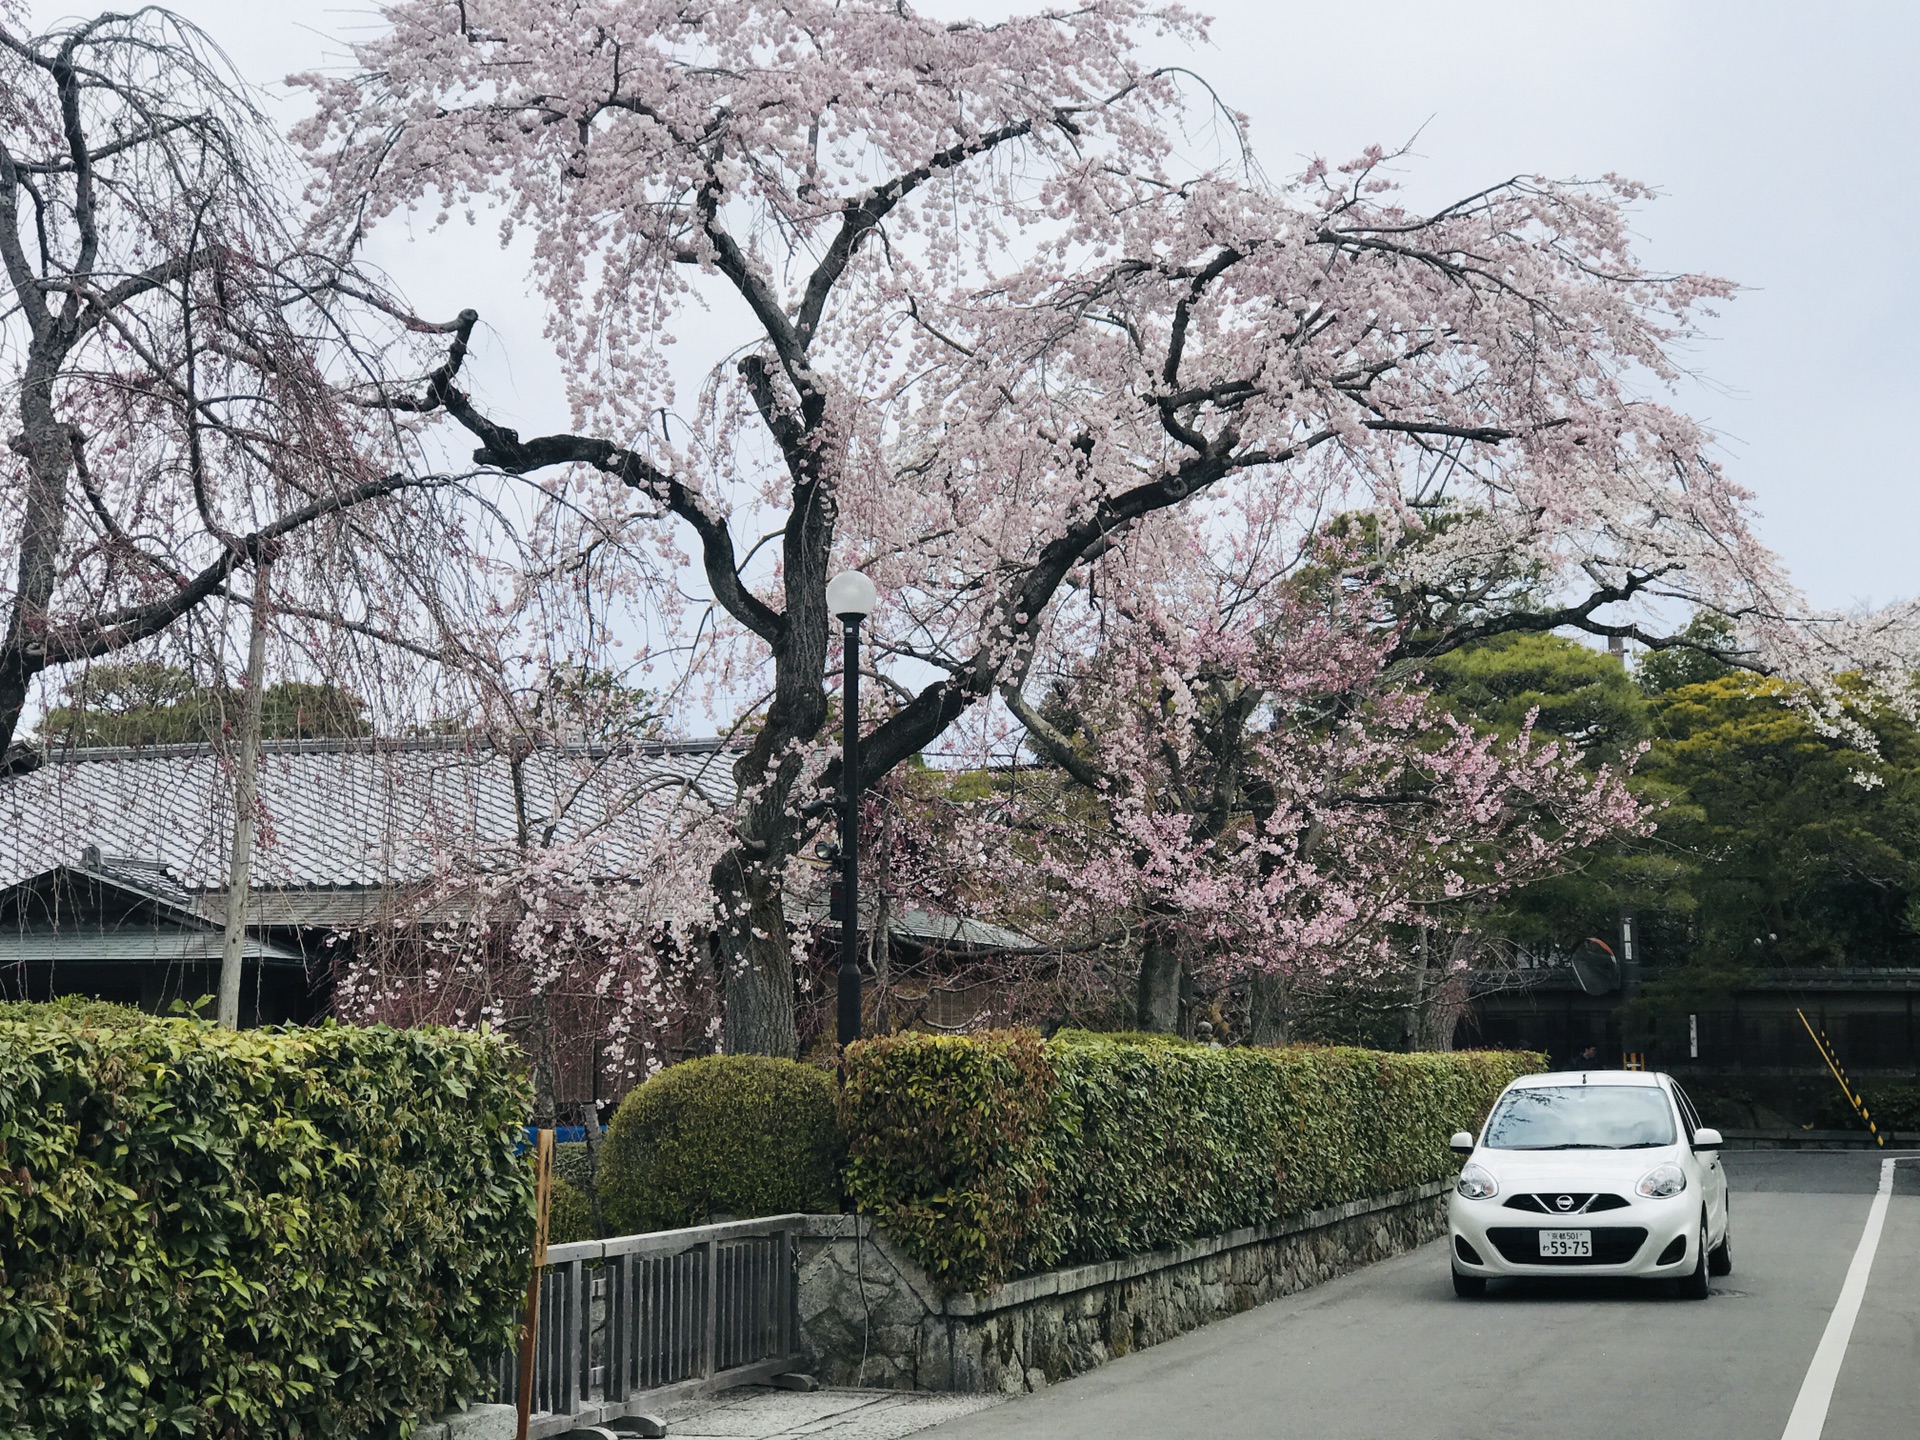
(385, 744)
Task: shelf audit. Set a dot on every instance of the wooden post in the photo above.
(543, 1200)
(239, 871)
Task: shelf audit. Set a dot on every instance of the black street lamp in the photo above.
(850, 595)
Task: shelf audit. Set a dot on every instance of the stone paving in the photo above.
(761, 1413)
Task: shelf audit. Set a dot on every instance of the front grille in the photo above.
(1547, 1202)
(1520, 1245)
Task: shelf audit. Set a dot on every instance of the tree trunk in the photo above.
(1448, 994)
(880, 957)
(1157, 1002)
(48, 450)
(750, 937)
(756, 967)
(1267, 1008)
(1440, 993)
(1413, 1026)
(590, 1122)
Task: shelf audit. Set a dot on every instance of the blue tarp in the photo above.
(562, 1134)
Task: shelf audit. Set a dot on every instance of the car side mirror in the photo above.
(1462, 1143)
(1706, 1139)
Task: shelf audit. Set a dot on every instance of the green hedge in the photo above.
(265, 1233)
(948, 1147)
(993, 1156)
(737, 1135)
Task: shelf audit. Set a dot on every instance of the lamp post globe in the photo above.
(851, 596)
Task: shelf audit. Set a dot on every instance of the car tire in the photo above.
(1467, 1287)
(1720, 1257)
(1694, 1286)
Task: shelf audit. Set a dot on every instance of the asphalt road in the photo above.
(1389, 1353)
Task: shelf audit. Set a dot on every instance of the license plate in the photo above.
(1564, 1243)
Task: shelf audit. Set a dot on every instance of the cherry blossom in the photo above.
(1002, 345)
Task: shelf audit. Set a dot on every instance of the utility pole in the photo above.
(240, 868)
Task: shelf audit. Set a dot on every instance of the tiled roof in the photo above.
(924, 927)
(340, 815)
(343, 820)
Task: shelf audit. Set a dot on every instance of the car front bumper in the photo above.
(1644, 1237)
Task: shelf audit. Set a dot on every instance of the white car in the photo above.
(1590, 1172)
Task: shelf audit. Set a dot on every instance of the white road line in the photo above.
(1809, 1416)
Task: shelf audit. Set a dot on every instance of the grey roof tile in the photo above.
(340, 814)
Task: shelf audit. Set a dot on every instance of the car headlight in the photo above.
(1661, 1181)
(1477, 1182)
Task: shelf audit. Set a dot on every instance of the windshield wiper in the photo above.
(1566, 1145)
(1590, 1145)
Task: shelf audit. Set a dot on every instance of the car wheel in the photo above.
(1720, 1257)
(1468, 1286)
(1694, 1286)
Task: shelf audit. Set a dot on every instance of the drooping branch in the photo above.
(861, 216)
(115, 630)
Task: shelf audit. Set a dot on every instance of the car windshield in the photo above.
(1581, 1117)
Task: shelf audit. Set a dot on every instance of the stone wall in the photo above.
(870, 1316)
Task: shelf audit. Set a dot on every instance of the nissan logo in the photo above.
(1563, 1202)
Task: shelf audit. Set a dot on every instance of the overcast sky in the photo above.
(1785, 140)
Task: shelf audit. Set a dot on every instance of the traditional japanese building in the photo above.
(114, 862)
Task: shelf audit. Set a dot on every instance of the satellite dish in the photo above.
(1596, 967)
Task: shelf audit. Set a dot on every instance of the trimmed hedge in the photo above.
(266, 1233)
(739, 1135)
(950, 1146)
(993, 1156)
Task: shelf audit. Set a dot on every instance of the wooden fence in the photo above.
(630, 1324)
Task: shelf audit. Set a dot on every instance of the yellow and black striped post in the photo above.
(1846, 1086)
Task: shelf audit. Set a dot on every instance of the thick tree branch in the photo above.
(20, 273)
(1017, 618)
(1050, 742)
(1575, 617)
(503, 449)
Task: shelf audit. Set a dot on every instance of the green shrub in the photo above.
(266, 1233)
(572, 1163)
(1895, 1108)
(947, 1148)
(983, 1165)
(738, 1135)
(569, 1213)
(81, 1009)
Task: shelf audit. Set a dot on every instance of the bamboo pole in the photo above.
(543, 1201)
